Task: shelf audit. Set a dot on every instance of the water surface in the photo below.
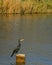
(37, 32)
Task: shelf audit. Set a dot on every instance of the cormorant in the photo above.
(18, 47)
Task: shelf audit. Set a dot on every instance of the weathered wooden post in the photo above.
(20, 59)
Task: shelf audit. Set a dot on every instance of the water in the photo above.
(37, 32)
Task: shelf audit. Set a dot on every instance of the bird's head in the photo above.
(20, 40)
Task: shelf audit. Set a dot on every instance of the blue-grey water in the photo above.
(37, 33)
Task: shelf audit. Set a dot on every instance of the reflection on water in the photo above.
(37, 32)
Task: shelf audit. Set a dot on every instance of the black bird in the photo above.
(18, 47)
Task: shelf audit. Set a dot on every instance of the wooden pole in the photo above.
(20, 59)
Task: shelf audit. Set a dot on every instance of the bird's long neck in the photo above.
(19, 44)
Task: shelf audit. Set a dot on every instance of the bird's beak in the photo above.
(21, 40)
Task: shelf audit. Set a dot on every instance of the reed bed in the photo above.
(24, 6)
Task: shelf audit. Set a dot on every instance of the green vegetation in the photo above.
(25, 6)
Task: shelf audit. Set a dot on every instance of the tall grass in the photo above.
(23, 6)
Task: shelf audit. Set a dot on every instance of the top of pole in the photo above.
(23, 55)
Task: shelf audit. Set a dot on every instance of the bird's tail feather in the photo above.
(11, 55)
